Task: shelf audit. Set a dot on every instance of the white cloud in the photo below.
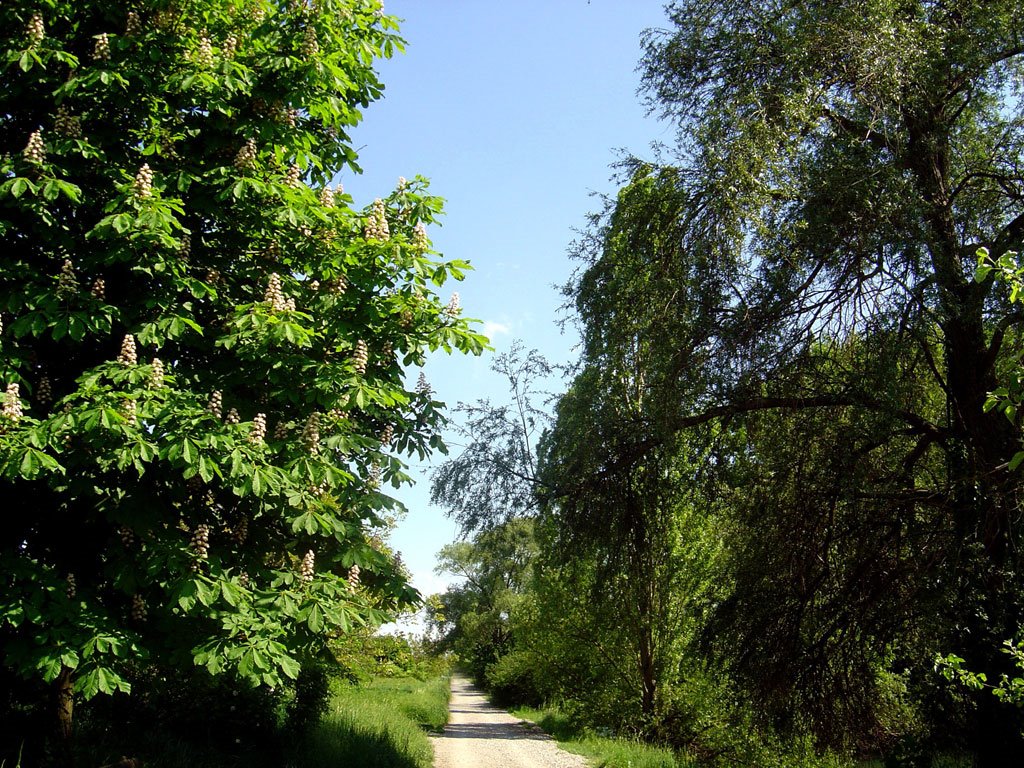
(493, 328)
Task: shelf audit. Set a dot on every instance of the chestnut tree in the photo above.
(204, 343)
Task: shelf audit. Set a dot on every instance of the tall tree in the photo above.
(635, 514)
(845, 163)
(202, 341)
(811, 251)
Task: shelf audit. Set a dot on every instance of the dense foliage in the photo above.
(475, 618)
(203, 342)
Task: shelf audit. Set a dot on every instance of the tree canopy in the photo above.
(203, 341)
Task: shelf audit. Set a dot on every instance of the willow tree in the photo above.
(837, 167)
(203, 341)
(620, 495)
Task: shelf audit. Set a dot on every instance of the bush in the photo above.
(706, 717)
(364, 657)
(185, 717)
(512, 681)
(189, 720)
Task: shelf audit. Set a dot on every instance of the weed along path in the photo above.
(479, 735)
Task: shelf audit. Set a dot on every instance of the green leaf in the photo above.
(33, 461)
(215, 664)
(50, 668)
(29, 464)
(232, 594)
(187, 595)
(245, 665)
(89, 684)
(121, 223)
(110, 681)
(305, 522)
(71, 191)
(206, 593)
(237, 461)
(189, 451)
(207, 469)
(257, 482)
(289, 666)
(315, 619)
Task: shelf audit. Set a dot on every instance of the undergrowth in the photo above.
(606, 751)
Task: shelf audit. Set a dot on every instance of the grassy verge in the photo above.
(941, 761)
(381, 724)
(605, 752)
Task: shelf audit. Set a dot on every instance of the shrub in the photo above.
(511, 679)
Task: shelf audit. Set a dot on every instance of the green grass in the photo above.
(381, 724)
(603, 751)
(426, 703)
(942, 761)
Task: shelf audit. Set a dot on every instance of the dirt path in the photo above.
(479, 735)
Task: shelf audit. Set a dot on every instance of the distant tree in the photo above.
(494, 478)
(203, 341)
(495, 571)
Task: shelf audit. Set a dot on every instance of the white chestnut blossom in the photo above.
(143, 184)
(360, 357)
(129, 355)
(35, 32)
(34, 152)
(246, 157)
(101, 50)
(306, 569)
(12, 410)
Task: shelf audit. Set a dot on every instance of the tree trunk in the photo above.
(982, 441)
(64, 707)
(648, 679)
(982, 496)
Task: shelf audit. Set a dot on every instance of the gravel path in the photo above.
(479, 735)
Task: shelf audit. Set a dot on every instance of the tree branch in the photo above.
(1009, 236)
(860, 130)
(634, 451)
(919, 424)
(998, 334)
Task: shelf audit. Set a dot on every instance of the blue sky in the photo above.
(515, 111)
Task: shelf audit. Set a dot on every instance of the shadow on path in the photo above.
(513, 731)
